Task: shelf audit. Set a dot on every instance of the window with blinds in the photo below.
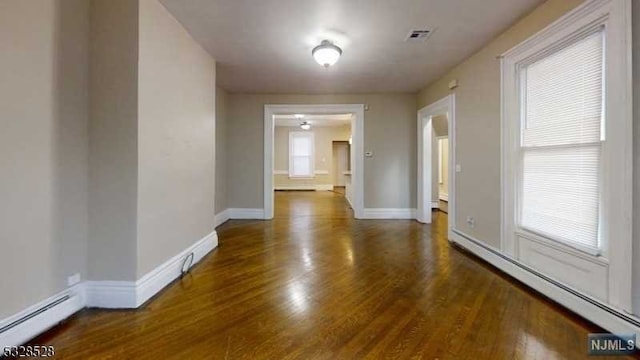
(301, 154)
(561, 143)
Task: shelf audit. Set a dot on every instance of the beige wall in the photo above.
(176, 135)
(43, 148)
(636, 153)
(113, 140)
(323, 151)
(221, 150)
(86, 109)
(389, 132)
(478, 122)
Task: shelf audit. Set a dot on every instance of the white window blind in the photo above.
(561, 142)
(301, 154)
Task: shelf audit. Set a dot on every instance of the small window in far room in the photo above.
(301, 154)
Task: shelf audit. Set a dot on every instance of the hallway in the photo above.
(316, 284)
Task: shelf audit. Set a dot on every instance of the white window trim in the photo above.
(312, 155)
(616, 204)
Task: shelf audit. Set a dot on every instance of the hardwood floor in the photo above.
(316, 284)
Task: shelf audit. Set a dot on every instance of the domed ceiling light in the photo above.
(305, 126)
(326, 54)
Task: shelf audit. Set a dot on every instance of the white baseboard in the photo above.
(609, 318)
(286, 172)
(132, 294)
(245, 213)
(221, 217)
(324, 187)
(309, 187)
(40, 318)
(444, 197)
(388, 213)
(435, 205)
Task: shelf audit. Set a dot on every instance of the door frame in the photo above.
(445, 105)
(357, 147)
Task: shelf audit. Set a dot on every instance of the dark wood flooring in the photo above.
(316, 284)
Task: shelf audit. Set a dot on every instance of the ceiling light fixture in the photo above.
(305, 126)
(326, 54)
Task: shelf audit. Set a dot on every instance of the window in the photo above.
(561, 142)
(301, 159)
(566, 151)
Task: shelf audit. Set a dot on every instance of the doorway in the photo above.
(340, 152)
(443, 172)
(356, 153)
(436, 122)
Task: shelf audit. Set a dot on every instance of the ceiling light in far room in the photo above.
(305, 125)
(326, 54)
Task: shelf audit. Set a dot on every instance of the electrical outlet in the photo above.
(73, 279)
(471, 221)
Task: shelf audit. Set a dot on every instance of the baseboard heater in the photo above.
(603, 307)
(38, 320)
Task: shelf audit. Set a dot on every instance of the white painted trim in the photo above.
(435, 205)
(221, 217)
(357, 153)
(389, 213)
(111, 294)
(604, 315)
(246, 213)
(310, 187)
(617, 150)
(444, 196)
(286, 172)
(425, 167)
(133, 294)
(42, 322)
(302, 187)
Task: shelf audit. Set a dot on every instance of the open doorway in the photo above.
(436, 160)
(311, 163)
(299, 152)
(440, 194)
(341, 166)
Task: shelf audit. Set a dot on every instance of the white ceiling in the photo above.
(265, 45)
(315, 120)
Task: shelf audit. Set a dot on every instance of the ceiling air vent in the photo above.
(420, 35)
